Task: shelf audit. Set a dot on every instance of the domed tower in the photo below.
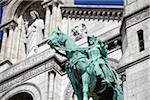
(136, 49)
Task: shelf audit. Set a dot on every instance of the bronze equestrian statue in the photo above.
(87, 68)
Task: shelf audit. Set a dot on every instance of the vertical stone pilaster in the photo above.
(3, 47)
(59, 18)
(13, 48)
(46, 5)
(47, 22)
(20, 53)
(54, 16)
(17, 44)
(9, 41)
(51, 25)
(125, 91)
(51, 86)
(18, 34)
(65, 25)
(52, 19)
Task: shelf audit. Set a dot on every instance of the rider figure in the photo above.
(97, 54)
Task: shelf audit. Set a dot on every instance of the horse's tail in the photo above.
(118, 93)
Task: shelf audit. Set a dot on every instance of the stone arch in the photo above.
(10, 14)
(22, 96)
(26, 6)
(30, 88)
(14, 5)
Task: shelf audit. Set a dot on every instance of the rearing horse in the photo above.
(79, 71)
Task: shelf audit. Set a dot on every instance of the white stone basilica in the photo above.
(31, 70)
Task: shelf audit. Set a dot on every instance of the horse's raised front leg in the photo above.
(85, 83)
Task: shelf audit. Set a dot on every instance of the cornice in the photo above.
(29, 68)
(137, 16)
(47, 66)
(26, 64)
(91, 12)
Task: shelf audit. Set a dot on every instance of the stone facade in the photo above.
(42, 74)
(135, 61)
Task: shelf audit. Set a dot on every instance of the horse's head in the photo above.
(57, 38)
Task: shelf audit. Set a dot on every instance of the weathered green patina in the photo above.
(87, 68)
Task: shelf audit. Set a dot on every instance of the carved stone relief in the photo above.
(25, 87)
(78, 32)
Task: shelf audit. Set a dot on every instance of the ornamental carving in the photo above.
(78, 32)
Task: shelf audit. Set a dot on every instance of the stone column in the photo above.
(18, 36)
(46, 5)
(47, 22)
(54, 15)
(3, 47)
(65, 25)
(51, 86)
(9, 41)
(59, 18)
(20, 53)
(51, 24)
(14, 41)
